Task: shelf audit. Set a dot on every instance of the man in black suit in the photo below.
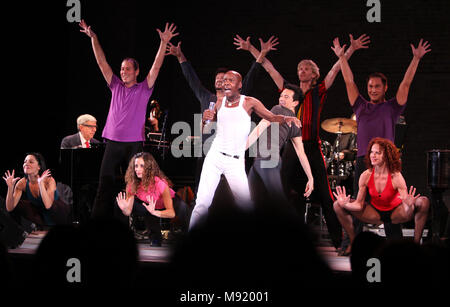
(87, 126)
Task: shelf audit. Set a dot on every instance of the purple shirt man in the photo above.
(126, 116)
(377, 117)
(124, 128)
(375, 120)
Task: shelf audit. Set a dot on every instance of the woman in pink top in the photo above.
(390, 200)
(147, 194)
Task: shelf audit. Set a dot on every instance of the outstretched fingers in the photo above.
(168, 33)
(422, 48)
(241, 43)
(338, 50)
(362, 41)
(412, 193)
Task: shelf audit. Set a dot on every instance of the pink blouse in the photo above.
(156, 192)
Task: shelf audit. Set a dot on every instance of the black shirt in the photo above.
(286, 133)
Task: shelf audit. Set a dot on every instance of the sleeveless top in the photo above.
(233, 128)
(388, 199)
(39, 204)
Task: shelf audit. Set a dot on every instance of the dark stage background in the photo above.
(52, 76)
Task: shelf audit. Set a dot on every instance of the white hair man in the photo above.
(87, 126)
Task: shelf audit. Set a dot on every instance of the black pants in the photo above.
(295, 178)
(266, 187)
(58, 214)
(152, 223)
(111, 180)
(393, 231)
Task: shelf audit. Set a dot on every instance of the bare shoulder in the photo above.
(50, 182)
(250, 103)
(365, 176)
(21, 184)
(397, 179)
(367, 173)
(250, 100)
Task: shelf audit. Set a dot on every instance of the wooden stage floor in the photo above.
(149, 254)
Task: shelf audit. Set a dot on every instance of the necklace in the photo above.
(232, 103)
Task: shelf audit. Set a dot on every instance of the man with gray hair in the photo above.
(314, 96)
(87, 126)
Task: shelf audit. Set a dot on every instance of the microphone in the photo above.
(211, 107)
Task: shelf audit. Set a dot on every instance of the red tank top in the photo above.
(388, 199)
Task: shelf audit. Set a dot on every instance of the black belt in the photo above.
(225, 154)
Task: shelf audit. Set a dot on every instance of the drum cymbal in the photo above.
(339, 125)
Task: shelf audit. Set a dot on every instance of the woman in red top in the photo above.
(147, 194)
(390, 200)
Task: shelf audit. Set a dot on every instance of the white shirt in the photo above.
(83, 140)
(233, 128)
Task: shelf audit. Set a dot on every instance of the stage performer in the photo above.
(40, 203)
(125, 124)
(376, 117)
(148, 194)
(314, 94)
(226, 155)
(265, 180)
(205, 96)
(390, 200)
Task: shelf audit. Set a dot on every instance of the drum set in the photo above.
(340, 157)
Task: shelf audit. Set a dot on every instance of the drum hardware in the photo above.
(338, 167)
(339, 125)
(159, 138)
(156, 137)
(326, 152)
(438, 174)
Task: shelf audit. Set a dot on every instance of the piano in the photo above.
(80, 168)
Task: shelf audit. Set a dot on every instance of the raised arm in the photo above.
(98, 51)
(176, 51)
(418, 53)
(300, 150)
(246, 45)
(352, 89)
(203, 95)
(14, 190)
(165, 37)
(47, 188)
(355, 44)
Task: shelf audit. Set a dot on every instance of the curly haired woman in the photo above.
(390, 200)
(146, 182)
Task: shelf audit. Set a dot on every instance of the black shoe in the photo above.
(345, 252)
(336, 240)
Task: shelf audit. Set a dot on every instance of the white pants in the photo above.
(214, 166)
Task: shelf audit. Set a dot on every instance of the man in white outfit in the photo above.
(227, 152)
